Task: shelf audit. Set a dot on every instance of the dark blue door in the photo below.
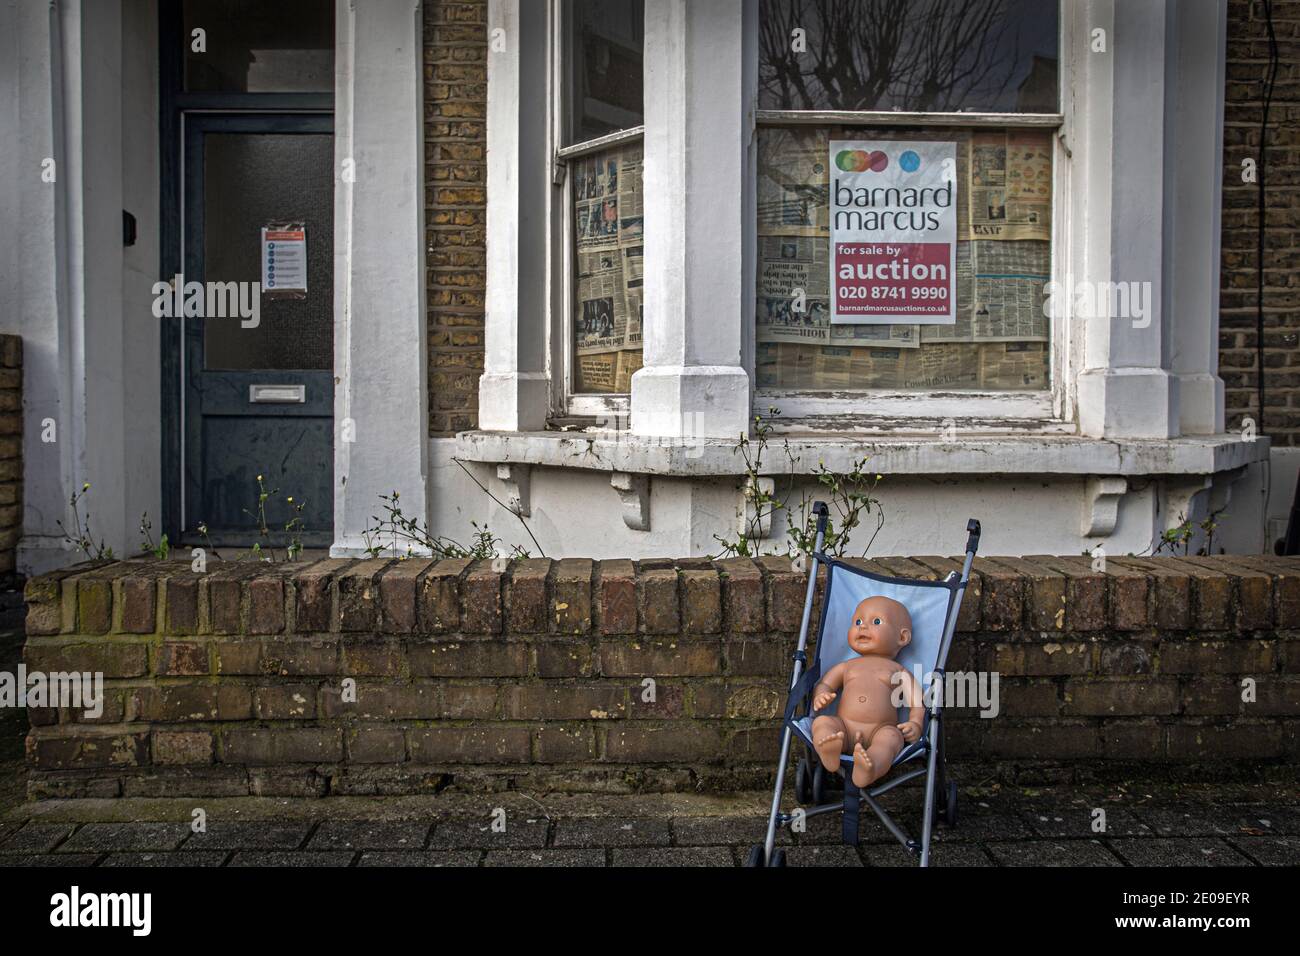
(258, 389)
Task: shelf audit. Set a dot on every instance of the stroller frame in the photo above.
(929, 744)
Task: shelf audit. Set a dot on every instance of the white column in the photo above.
(514, 388)
(1194, 202)
(1117, 207)
(697, 142)
(380, 343)
(78, 134)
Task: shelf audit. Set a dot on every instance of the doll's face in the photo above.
(880, 625)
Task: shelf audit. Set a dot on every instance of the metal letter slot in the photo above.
(277, 394)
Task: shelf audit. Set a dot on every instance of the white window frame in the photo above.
(609, 409)
(1048, 410)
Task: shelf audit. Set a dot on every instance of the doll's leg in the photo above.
(873, 760)
(828, 736)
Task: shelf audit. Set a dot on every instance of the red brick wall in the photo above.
(455, 144)
(232, 682)
(1246, 68)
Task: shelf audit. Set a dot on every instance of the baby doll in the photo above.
(865, 722)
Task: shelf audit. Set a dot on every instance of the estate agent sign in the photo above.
(893, 226)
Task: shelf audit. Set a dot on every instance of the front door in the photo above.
(258, 393)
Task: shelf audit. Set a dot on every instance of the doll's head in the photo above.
(880, 625)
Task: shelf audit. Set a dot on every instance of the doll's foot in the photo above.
(864, 768)
(829, 749)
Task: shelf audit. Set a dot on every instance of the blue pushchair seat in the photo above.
(933, 606)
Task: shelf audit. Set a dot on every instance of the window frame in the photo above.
(876, 410)
(611, 409)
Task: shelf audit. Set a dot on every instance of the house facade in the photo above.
(538, 266)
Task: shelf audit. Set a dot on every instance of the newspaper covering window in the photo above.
(999, 340)
(608, 210)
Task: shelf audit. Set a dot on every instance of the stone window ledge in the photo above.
(983, 455)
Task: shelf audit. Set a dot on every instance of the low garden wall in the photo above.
(385, 676)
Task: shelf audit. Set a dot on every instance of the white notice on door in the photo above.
(284, 259)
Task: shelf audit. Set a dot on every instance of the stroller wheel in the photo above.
(778, 857)
(803, 782)
(818, 785)
(755, 858)
(950, 805)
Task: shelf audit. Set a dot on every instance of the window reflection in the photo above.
(912, 55)
(605, 67)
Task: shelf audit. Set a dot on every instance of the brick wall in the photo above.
(234, 681)
(455, 144)
(11, 454)
(1247, 66)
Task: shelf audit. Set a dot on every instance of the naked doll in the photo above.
(865, 722)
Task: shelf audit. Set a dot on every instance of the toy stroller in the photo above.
(933, 606)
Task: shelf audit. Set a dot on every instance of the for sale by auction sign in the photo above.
(893, 232)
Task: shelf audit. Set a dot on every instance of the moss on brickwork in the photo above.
(388, 676)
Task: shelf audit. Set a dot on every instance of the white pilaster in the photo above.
(78, 132)
(380, 342)
(1194, 203)
(697, 142)
(1120, 154)
(514, 388)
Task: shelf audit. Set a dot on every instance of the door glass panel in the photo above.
(250, 180)
(252, 46)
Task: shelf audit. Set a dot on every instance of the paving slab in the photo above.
(116, 837)
(37, 838)
(1147, 824)
(364, 835)
(951, 854)
(197, 858)
(292, 858)
(979, 823)
(1052, 853)
(49, 859)
(1179, 851)
(448, 858)
(612, 832)
(822, 856)
(519, 834)
(1078, 822)
(675, 856)
(1261, 820)
(1206, 821)
(724, 831)
(237, 835)
(584, 858)
(1269, 850)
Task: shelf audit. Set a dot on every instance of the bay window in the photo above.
(872, 98)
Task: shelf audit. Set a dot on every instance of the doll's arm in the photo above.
(825, 689)
(913, 699)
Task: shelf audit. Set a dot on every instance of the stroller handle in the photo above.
(823, 514)
(972, 542)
